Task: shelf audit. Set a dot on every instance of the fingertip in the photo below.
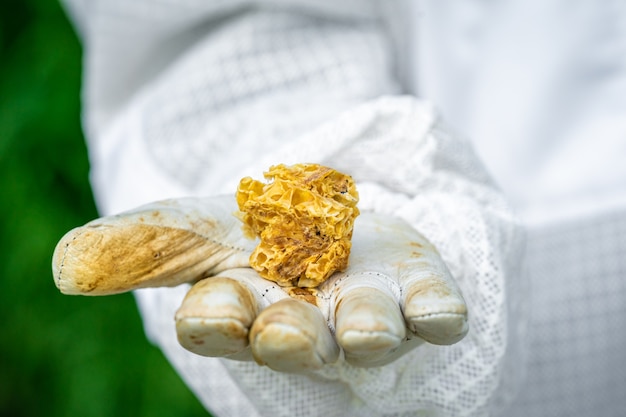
(435, 310)
(58, 260)
(369, 325)
(214, 337)
(215, 317)
(441, 321)
(71, 262)
(440, 328)
(292, 336)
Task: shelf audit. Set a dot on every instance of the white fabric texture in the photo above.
(540, 88)
(577, 319)
(184, 98)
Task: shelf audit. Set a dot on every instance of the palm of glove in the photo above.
(396, 293)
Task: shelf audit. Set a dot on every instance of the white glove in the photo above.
(406, 165)
(396, 293)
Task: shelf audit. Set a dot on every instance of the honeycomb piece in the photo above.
(304, 217)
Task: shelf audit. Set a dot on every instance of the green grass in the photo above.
(60, 355)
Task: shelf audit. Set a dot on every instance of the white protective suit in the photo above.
(186, 97)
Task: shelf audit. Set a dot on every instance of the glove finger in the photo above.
(369, 326)
(160, 244)
(292, 336)
(433, 306)
(215, 317)
(405, 264)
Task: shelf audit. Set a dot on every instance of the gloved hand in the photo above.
(396, 293)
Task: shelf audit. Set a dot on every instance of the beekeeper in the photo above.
(494, 129)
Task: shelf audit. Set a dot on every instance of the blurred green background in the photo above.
(60, 355)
